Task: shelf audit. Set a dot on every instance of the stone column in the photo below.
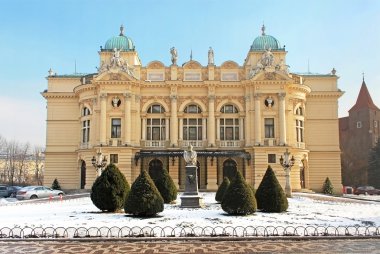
(143, 129)
(103, 118)
(166, 128)
(127, 119)
(173, 122)
(181, 129)
(247, 123)
(173, 170)
(257, 122)
(211, 120)
(204, 130)
(218, 129)
(282, 120)
(138, 119)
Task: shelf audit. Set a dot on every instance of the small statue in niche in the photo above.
(269, 102)
(116, 102)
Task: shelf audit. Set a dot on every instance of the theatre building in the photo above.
(237, 116)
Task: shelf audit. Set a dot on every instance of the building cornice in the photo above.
(48, 95)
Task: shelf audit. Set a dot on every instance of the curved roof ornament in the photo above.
(121, 30)
(263, 30)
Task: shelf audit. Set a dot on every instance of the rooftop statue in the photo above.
(211, 56)
(174, 54)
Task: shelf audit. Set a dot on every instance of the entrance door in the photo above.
(302, 177)
(155, 169)
(199, 174)
(229, 169)
(83, 174)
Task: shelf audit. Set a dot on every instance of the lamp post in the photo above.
(99, 162)
(287, 164)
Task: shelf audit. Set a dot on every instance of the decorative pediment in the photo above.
(192, 65)
(267, 75)
(114, 76)
(155, 65)
(229, 65)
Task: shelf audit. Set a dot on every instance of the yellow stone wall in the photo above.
(317, 95)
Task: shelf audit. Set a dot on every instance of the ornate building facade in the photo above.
(237, 117)
(358, 133)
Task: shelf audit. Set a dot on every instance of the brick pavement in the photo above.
(318, 246)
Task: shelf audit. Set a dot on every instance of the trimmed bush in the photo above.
(144, 199)
(166, 186)
(110, 189)
(270, 196)
(222, 189)
(252, 189)
(327, 187)
(56, 185)
(238, 198)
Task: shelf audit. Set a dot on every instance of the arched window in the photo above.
(192, 109)
(299, 111)
(229, 109)
(156, 123)
(156, 109)
(85, 111)
(85, 126)
(229, 123)
(192, 123)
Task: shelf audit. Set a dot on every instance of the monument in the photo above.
(191, 198)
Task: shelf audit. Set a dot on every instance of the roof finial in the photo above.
(363, 75)
(191, 55)
(263, 29)
(121, 30)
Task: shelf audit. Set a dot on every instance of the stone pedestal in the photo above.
(191, 198)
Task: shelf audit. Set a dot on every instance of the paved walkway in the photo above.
(346, 246)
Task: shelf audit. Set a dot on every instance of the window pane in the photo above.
(199, 133)
(236, 133)
(156, 121)
(229, 133)
(229, 121)
(193, 121)
(155, 133)
(185, 133)
(192, 133)
(148, 133)
(222, 133)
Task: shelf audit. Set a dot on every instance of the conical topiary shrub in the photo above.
(166, 186)
(144, 199)
(328, 187)
(238, 198)
(222, 190)
(56, 185)
(270, 196)
(110, 189)
(253, 190)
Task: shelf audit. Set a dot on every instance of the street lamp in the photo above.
(287, 164)
(99, 162)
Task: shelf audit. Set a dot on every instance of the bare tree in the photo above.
(38, 164)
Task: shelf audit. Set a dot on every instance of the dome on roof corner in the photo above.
(120, 42)
(265, 41)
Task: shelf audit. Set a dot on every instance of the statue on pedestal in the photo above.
(190, 156)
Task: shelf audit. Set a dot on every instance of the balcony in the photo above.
(194, 143)
(154, 143)
(115, 142)
(300, 145)
(85, 145)
(270, 142)
(229, 143)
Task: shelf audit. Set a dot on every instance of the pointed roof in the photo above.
(364, 100)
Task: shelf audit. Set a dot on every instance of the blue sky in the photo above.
(36, 35)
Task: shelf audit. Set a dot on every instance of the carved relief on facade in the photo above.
(192, 65)
(217, 74)
(155, 65)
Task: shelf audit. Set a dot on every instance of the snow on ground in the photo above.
(304, 210)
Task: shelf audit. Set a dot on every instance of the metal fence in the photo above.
(218, 231)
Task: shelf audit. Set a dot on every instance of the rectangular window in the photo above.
(86, 131)
(229, 76)
(358, 125)
(156, 76)
(116, 128)
(271, 158)
(269, 127)
(114, 158)
(375, 124)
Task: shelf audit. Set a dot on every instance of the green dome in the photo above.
(265, 41)
(120, 42)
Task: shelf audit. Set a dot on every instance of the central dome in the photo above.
(120, 42)
(265, 42)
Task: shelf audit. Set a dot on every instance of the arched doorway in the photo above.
(155, 168)
(82, 174)
(229, 169)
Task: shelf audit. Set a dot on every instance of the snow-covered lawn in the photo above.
(304, 210)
